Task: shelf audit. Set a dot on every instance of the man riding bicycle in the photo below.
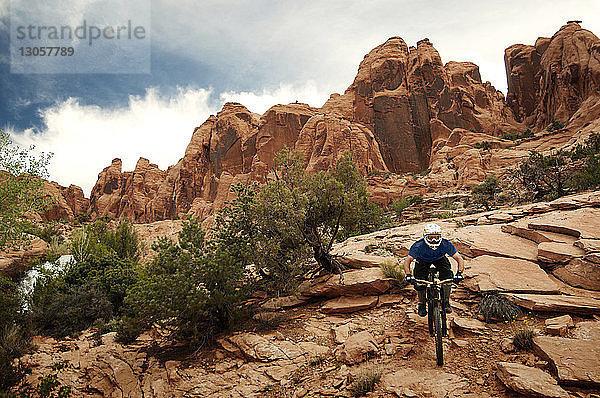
(432, 249)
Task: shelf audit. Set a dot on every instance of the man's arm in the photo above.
(407, 261)
(460, 261)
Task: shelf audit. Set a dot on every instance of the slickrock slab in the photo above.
(487, 273)
(424, 383)
(588, 245)
(356, 348)
(559, 326)
(469, 325)
(531, 382)
(521, 228)
(489, 239)
(363, 260)
(558, 252)
(588, 330)
(580, 273)
(555, 303)
(581, 223)
(575, 361)
(259, 348)
(344, 305)
(567, 203)
(367, 281)
(593, 257)
(524, 232)
(501, 217)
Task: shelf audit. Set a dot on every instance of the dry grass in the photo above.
(391, 269)
(365, 382)
(495, 307)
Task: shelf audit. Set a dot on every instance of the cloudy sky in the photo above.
(258, 52)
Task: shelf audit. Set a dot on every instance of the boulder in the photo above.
(342, 332)
(580, 273)
(470, 325)
(14, 261)
(367, 281)
(556, 303)
(558, 252)
(559, 326)
(256, 347)
(356, 348)
(490, 273)
(343, 305)
(490, 240)
(531, 382)
(575, 362)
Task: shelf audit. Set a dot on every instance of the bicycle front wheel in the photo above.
(439, 348)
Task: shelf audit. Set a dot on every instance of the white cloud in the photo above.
(284, 94)
(325, 40)
(84, 139)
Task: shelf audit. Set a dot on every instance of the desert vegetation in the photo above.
(195, 287)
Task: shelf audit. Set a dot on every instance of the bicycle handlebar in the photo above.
(434, 282)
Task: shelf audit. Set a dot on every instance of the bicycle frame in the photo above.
(434, 297)
(436, 310)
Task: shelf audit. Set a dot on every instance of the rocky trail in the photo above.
(543, 257)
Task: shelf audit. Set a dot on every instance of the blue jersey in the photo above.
(420, 250)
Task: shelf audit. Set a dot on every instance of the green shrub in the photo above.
(398, 206)
(58, 309)
(448, 204)
(91, 288)
(486, 192)
(50, 387)
(14, 342)
(546, 177)
(316, 209)
(193, 287)
(554, 125)
(128, 330)
(485, 145)
(495, 307)
(365, 382)
(513, 136)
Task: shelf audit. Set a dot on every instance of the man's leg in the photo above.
(445, 270)
(420, 272)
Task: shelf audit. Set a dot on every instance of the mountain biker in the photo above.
(432, 249)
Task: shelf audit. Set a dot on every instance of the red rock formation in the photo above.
(67, 203)
(406, 112)
(550, 80)
(407, 94)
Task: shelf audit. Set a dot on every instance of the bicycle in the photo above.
(436, 310)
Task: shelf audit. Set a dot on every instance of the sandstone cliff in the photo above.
(550, 80)
(406, 112)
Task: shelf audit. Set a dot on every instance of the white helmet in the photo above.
(432, 235)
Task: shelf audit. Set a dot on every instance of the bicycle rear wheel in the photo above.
(439, 348)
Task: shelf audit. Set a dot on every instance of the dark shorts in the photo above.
(442, 265)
